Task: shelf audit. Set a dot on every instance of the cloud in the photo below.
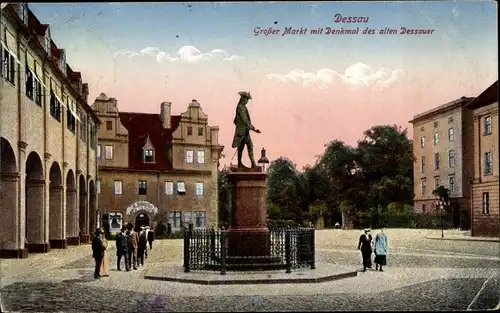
(356, 76)
(188, 54)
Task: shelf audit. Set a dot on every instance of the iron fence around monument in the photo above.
(209, 249)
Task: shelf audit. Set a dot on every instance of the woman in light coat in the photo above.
(380, 249)
(104, 271)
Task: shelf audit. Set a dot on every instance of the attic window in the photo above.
(148, 156)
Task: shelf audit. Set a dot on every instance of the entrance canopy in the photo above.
(141, 206)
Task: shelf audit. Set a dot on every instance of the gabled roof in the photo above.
(142, 125)
(489, 96)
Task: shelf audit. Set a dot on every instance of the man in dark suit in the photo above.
(122, 242)
(97, 251)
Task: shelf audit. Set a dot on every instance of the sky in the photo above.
(307, 89)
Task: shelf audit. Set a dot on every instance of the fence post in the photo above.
(223, 251)
(212, 243)
(187, 235)
(288, 251)
(313, 249)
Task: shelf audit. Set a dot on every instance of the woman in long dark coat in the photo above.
(365, 245)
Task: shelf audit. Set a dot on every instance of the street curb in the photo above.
(230, 281)
(464, 239)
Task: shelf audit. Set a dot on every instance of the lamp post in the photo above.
(441, 204)
(263, 161)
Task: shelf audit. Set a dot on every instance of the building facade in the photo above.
(442, 146)
(485, 184)
(157, 167)
(48, 141)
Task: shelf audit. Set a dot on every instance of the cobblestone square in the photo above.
(422, 274)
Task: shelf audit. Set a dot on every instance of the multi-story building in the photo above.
(48, 141)
(157, 167)
(485, 184)
(442, 146)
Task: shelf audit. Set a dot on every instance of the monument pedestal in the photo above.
(248, 237)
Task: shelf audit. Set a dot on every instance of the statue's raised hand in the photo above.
(257, 131)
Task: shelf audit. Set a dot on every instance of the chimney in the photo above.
(85, 92)
(214, 135)
(165, 112)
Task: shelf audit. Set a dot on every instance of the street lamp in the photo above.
(441, 204)
(263, 161)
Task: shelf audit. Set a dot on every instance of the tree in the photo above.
(385, 159)
(285, 190)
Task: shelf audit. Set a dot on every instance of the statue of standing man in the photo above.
(243, 128)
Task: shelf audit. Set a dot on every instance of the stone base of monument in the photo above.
(323, 273)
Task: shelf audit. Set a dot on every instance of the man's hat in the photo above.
(245, 94)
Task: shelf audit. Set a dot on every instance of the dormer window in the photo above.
(47, 43)
(148, 156)
(62, 61)
(24, 13)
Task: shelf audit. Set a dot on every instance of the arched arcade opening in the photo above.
(83, 215)
(34, 196)
(57, 231)
(10, 245)
(72, 236)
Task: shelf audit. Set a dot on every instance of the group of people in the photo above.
(131, 246)
(380, 247)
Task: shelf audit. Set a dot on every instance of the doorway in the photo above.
(142, 219)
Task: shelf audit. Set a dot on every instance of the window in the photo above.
(37, 84)
(487, 125)
(199, 189)
(436, 161)
(98, 152)
(174, 219)
(117, 187)
(55, 106)
(98, 187)
(436, 138)
(422, 164)
(451, 135)
(437, 182)
(83, 126)
(169, 188)
(423, 186)
(28, 83)
(200, 157)
(189, 130)
(451, 158)
(92, 134)
(200, 131)
(181, 188)
(148, 156)
(109, 152)
(199, 219)
(423, 208)
(451, 181)
(189, 156)
(109, 125)
(450, 120)
(488, 164)
(47, 44)
(187, 218)
(486, 203)
(8, 66)
(422, 141)
(24, 15)
(436, 124)
(70, 115)
(142, 187)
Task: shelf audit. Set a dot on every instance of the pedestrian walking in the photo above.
(122, 244)
(133, 243)
(142, 246)
(365, 245)
(97, 252)
(380, 249)
(151, 238)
